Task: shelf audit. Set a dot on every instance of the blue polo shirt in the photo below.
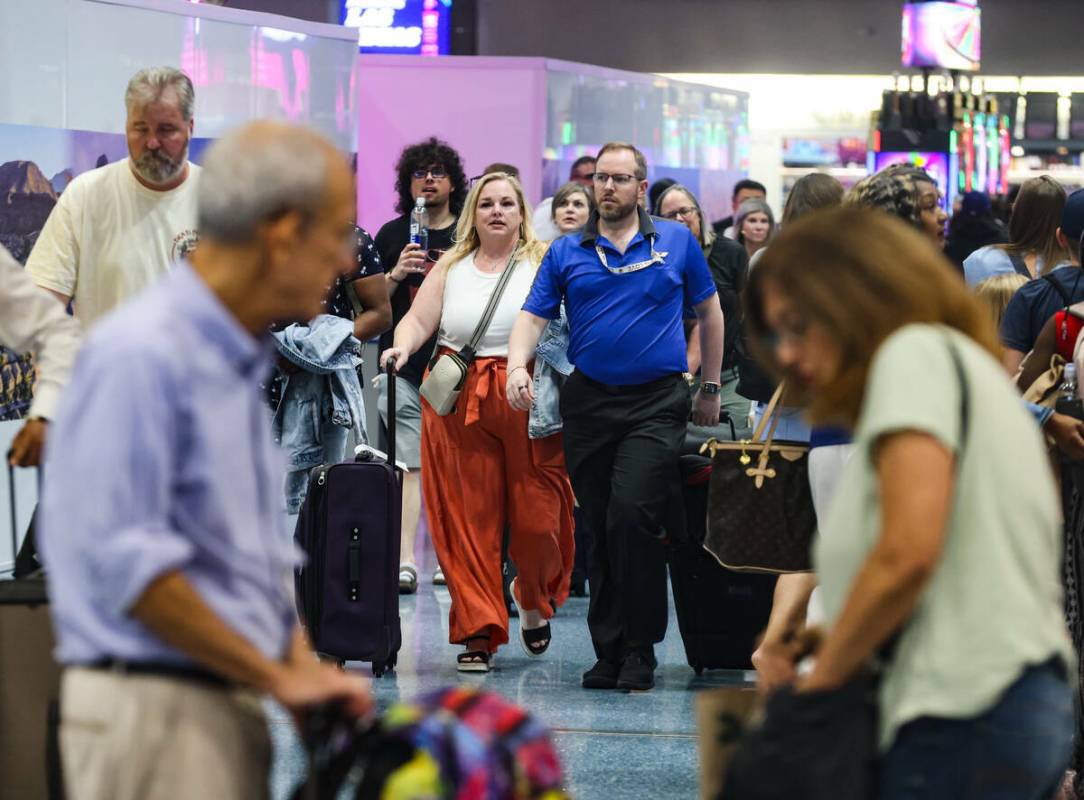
(625, 328)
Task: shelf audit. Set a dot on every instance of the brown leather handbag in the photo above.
(760, 507)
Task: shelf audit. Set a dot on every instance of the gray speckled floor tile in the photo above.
(613, 745)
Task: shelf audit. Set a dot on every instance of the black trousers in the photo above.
(622, 445)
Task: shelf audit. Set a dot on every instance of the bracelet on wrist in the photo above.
(515, 368)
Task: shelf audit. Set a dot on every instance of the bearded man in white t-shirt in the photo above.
(117, 228)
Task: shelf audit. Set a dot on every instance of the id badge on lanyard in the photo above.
(656, 258)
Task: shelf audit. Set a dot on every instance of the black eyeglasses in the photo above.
(620, 179)
(477, 178)
(436, 174)
(684, 212)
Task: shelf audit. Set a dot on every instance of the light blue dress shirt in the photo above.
(161, 458)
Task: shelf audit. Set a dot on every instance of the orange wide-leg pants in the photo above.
(481, 473)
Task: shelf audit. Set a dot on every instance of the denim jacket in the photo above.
(327, 354)
(551, 368)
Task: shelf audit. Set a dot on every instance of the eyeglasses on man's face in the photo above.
(477, 178)
(685, 212)
(619, 179)
(436, 173)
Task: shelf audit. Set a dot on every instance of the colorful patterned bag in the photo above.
(453, 744)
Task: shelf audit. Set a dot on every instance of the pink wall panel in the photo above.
(489, 109)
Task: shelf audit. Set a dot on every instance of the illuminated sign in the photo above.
(410, 27)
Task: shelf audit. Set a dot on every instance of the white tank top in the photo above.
(467, 291)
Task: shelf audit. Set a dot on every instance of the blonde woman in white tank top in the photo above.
(482, 472)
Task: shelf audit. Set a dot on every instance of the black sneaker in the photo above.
(637, 673)
(601, 676)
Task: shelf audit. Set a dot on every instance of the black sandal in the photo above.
(535, 641)
(474, 660)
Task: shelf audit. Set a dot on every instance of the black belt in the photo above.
(652, 386)
(160, 670)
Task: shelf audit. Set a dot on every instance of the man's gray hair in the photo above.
(148, 85)
(256, 173)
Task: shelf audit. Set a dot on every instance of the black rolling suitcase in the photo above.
(720, 612)
(349, 527)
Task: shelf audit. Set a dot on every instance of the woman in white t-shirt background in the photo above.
(481, 470)
(932, 541)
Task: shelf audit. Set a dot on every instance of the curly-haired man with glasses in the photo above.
(433, 170)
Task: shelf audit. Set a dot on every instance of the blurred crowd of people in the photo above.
(219, 311)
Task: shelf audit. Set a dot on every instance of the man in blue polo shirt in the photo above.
(625, 281)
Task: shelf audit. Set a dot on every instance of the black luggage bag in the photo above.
(349, 527)
(720, 613)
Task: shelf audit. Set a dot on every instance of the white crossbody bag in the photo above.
(448, 373)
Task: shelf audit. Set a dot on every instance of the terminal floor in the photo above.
(613, 745)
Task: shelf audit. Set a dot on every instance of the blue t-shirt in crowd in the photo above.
(1035, 303)
(986, 262)
(625, 328)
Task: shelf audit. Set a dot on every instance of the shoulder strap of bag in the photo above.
(1066, 300)
(467, 353)
(1018, 264)
(769, 412)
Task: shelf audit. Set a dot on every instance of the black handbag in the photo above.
(822, 745)
(760, 506)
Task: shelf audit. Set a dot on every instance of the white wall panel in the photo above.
(66, 63)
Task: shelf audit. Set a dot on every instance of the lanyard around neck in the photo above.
(656, 258)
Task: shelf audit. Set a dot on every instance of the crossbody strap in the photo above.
(467, 353)
(1018, 264)
(1066, 298)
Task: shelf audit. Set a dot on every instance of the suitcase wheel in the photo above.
(380, 667)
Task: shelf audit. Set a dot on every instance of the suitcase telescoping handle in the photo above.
(391, 370)
(11, 505)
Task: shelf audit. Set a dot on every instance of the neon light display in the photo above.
(936, 164)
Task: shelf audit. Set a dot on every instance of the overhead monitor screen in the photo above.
(941, 35)
(400, 27)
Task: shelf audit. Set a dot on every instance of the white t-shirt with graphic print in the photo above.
(109, 237)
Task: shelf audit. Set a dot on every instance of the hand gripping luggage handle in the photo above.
(392, 374)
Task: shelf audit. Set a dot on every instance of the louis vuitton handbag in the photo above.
(760, 507)
(448, 372)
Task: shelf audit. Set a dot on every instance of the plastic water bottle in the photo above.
(419, 224)
(1069, 401)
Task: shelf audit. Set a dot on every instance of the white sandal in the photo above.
(408, 579)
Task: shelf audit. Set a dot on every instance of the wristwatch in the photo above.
(707, 387)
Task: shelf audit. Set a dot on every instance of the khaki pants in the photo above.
(149, 738)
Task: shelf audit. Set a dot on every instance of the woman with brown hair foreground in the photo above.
(935, 557)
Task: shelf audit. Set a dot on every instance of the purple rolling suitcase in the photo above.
(349, 526)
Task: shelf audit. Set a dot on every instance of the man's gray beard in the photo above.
(155, 168)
